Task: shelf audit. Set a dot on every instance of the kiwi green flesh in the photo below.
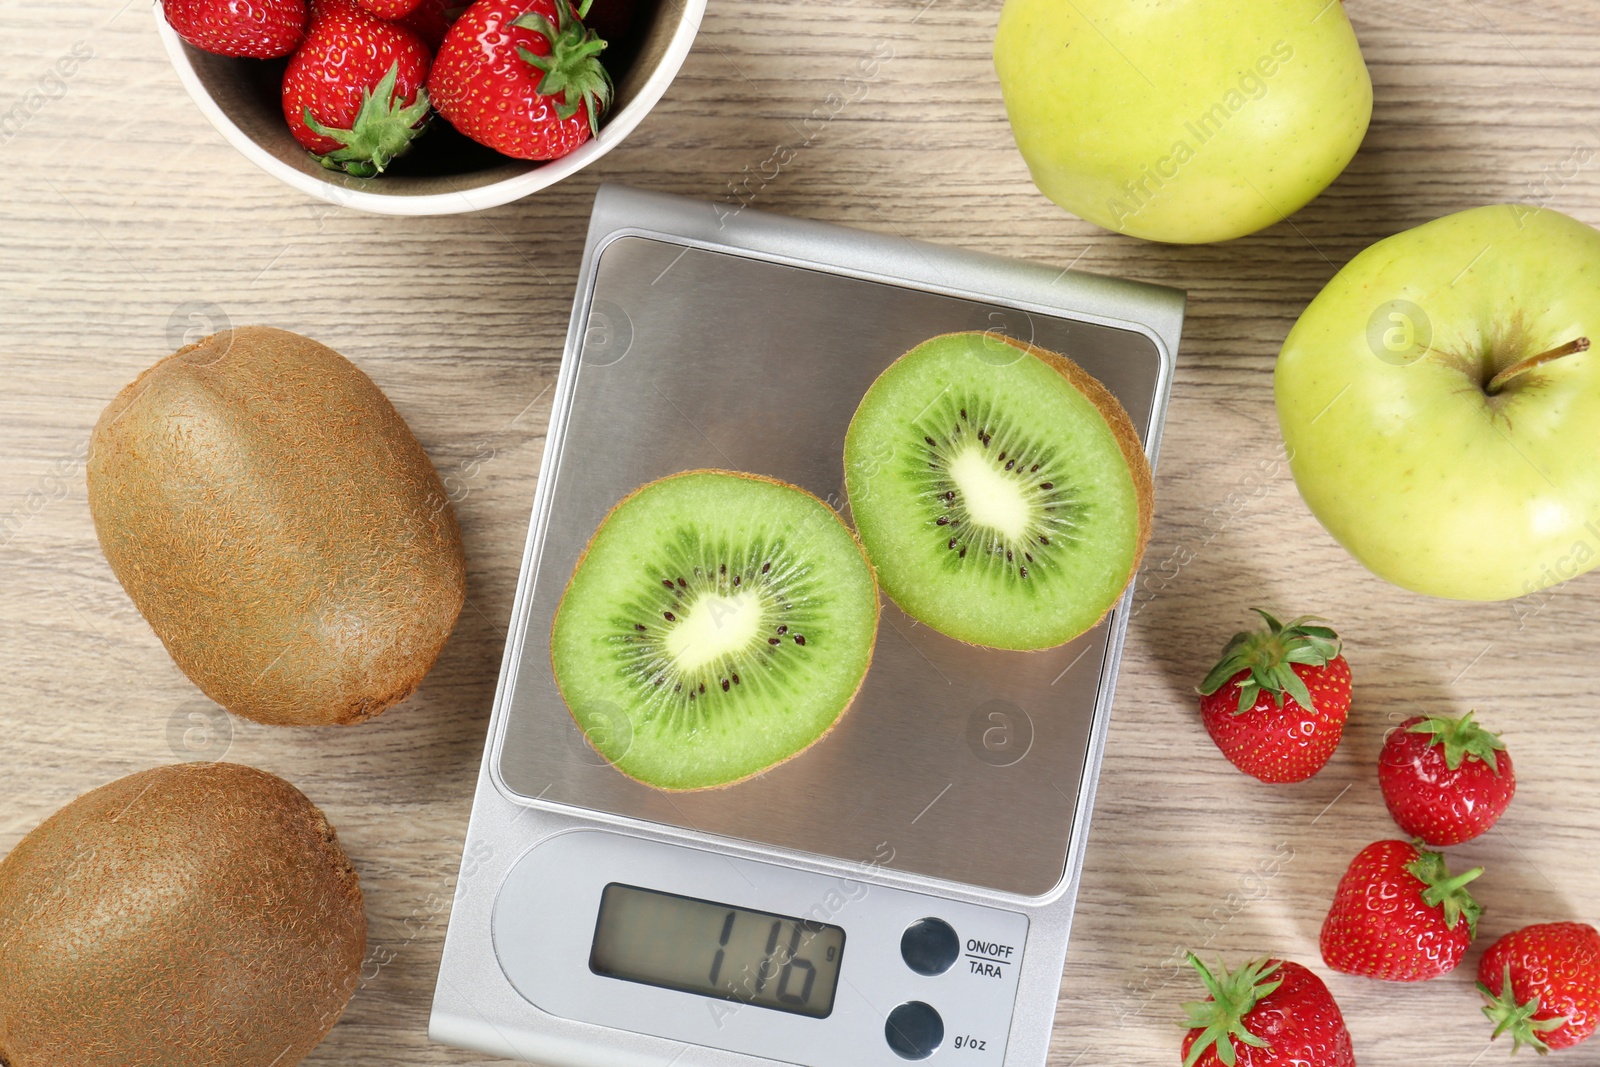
(717, 625)
(992, 495)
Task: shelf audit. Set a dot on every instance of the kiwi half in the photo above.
(1000, 490)
(716, 625)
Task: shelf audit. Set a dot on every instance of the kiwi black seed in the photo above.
(674, 624)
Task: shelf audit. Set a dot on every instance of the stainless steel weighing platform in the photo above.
(950, 807)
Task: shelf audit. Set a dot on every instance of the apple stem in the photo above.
(1498, 382)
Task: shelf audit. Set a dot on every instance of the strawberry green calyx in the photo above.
(1233, 996)
(1444, 890)
(1269, 656)
(383, 130)
(572, 70)
(1515, 1019)
(1462, 739)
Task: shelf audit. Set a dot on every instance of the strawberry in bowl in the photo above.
(353, 92)
(260, 30)
(523, 77)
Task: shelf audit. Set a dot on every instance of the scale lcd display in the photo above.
(717, 950)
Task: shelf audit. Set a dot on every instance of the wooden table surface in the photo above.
(127, 221)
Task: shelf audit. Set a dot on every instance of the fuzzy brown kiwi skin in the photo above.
(193, 915)
(877, 614)
(279, 526)
(1122, 429)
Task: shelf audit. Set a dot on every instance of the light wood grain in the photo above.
(121, 204)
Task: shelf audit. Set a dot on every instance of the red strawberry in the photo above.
(261, 29)
(1272, 1013)
(1276, 702)
(353, 92)
(1445, 780)
(390, 9)
(522, 76)
(1399, 915)
(1543, 985)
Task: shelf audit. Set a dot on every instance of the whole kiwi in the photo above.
(196, 915)
(275, 520)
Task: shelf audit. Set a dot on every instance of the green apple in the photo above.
(1440, 410)
(1183, 120)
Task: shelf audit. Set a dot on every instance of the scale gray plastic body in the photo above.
(952, 800)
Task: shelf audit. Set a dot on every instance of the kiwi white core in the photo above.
(992, 499)
(715, 626)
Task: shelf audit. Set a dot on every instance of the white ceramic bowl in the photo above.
(241, 98)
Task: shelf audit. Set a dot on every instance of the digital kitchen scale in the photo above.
(904, 889)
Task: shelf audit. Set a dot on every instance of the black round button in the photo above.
(914, 1030)
(930, 946)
